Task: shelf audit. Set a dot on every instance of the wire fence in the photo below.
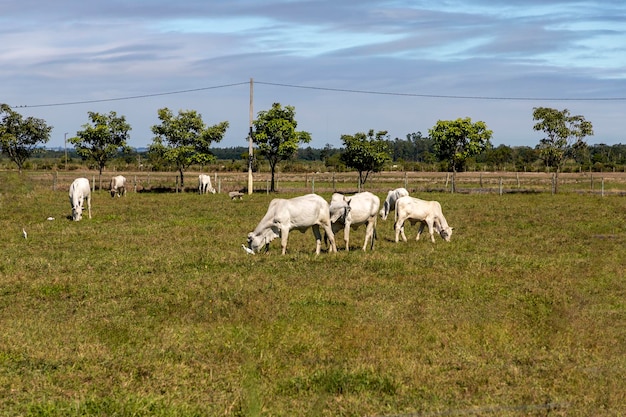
(327, 182)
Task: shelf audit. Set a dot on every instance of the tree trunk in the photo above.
(272, 169)
(182, 179)
(100, 177)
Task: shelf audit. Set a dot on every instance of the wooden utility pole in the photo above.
(250, 148)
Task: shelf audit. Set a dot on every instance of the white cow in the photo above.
(353, 211)
(284, 215)
(390, 202)
(204, 184)
(426, 212)
(80, 191)
(118, 186)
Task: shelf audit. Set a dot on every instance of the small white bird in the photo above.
(50, 218)
(24, 233)
(247, 249)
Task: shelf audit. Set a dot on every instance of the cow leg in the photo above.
(330, 234)
(89, 205)
(400, 230)
(420, 230)
(284, 236)
(318, 238)
(346, 235)
(369, 234)
(430, 230)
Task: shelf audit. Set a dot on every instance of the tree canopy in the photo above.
(276, 137)
(564, 134)
(184, 139)
(457, 140)
(102, 140)
(366, 153)
(20, 137)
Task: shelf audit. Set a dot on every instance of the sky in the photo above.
(345, 66)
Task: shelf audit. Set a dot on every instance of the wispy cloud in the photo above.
(77, 51)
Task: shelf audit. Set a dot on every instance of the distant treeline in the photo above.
(415, 153)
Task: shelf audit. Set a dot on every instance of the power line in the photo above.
(444, 96)
(70, 103)
(339, 90)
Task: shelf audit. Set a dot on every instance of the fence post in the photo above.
(500, 185)
(334, 188)
(93, 183)
(602, 193)
(517, 176)
(406, 179)
(219, 186)
(313, 184)
(54, 180)
(135, 183)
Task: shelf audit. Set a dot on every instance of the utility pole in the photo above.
(250, 148)
(65, 143)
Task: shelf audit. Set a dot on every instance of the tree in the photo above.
(457, 140)
(184, 139)
(20, 138)
(366, 153)
(102, 140)
(276, 137)
(564, 135)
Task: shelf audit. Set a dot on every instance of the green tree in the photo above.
(457, 140)
(564, 134)
(276, 137)
(20, 138)
(366, 153)
(499, 157)
(102, 140)
(184, 139)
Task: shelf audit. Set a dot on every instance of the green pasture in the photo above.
(152, 308)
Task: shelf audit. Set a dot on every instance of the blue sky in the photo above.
(346, 66)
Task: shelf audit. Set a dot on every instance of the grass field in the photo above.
(152, 308)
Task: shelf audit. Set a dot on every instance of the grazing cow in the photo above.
(80, 191)
(390, 202)
(426, 212)
(204, 184)
(284, 215)
(118, 186)
(353, 211)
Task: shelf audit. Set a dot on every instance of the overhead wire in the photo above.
(331, 89)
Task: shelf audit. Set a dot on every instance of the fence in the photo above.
(327, 182)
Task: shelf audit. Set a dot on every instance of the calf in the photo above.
(353, 211)
(426, 212)
(204, 184)
(390, 202)
(118, 186)
(80, 191)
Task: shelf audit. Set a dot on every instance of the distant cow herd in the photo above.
(311, 211)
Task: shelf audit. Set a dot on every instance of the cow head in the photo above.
(445, 233)
(339, 208)
(257, 240)
(77, 212)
